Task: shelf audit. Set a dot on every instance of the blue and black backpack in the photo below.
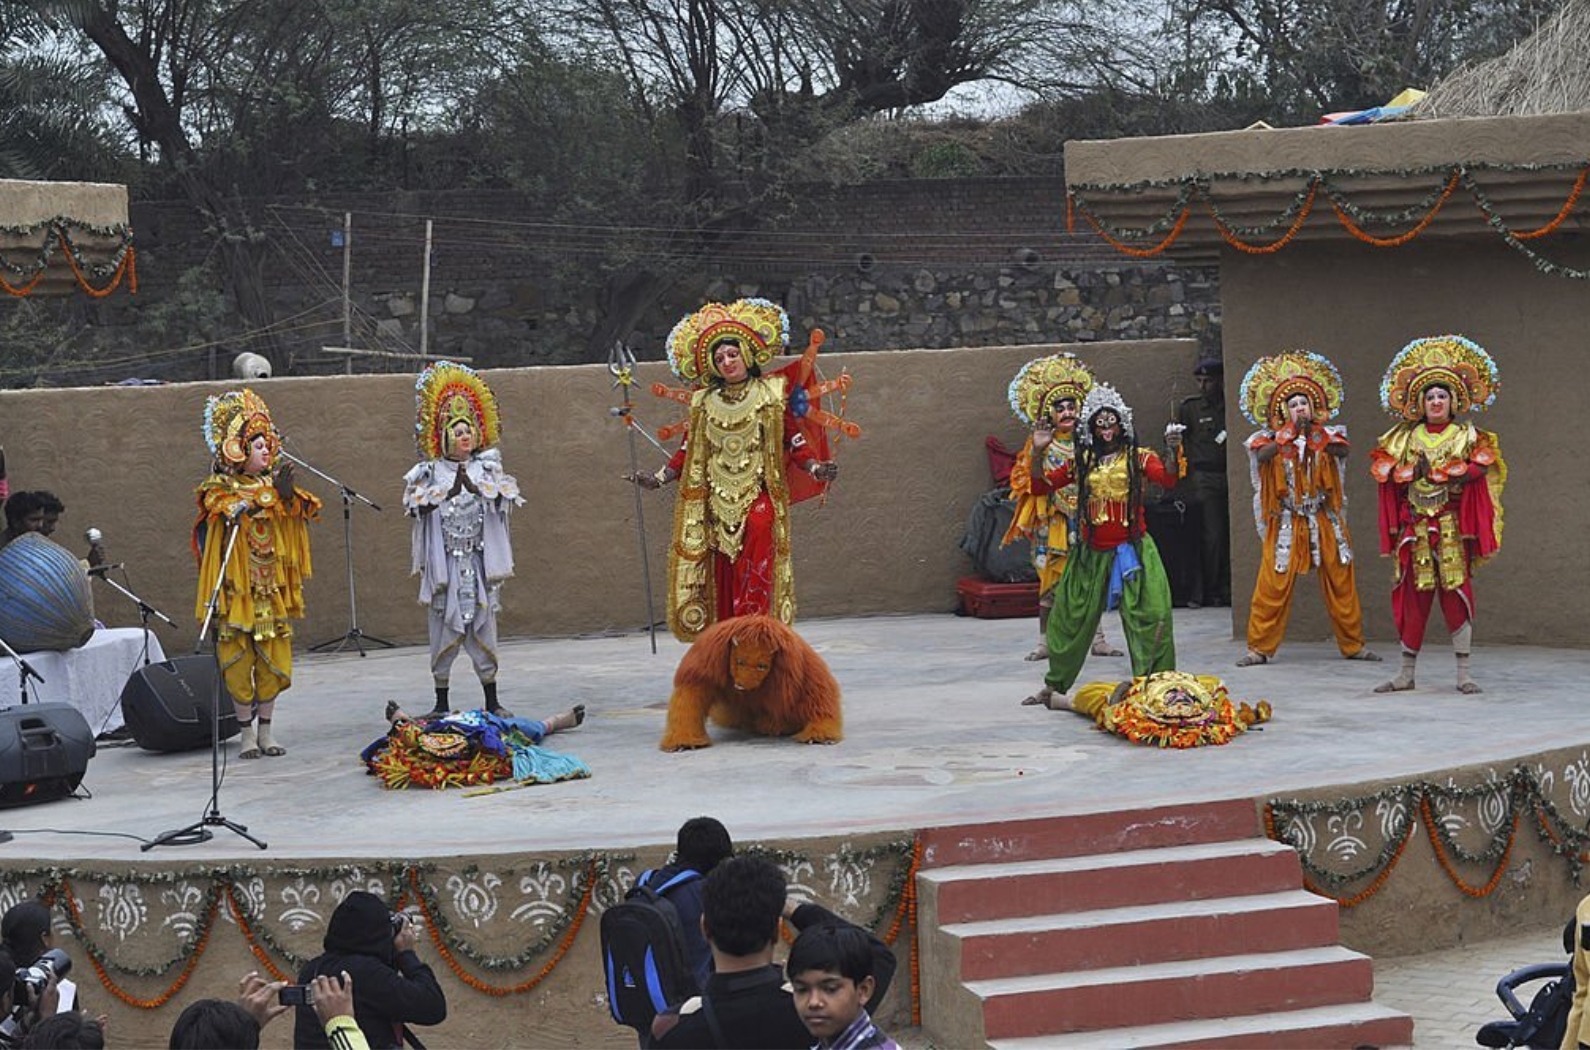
(643, 953)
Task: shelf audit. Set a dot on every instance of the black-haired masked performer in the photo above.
(1116, 563)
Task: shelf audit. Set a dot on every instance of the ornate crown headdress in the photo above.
(760, 326)
(1461, 365)
(1043, 381)
(446, 392)
(1276, 379)
(1103, 396)
(233, 419)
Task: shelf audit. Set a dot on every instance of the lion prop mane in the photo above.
(755, 674)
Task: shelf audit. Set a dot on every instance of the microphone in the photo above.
(94, 536)
(100, 570)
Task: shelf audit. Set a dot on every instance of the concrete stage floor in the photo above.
(935, 735)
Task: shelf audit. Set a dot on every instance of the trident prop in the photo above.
(621, 363)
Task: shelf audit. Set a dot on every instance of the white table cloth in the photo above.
(89, 678)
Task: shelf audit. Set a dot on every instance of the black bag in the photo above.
(643, 953)
(985, 527)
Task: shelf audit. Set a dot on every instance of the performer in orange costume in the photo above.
(1295, 463)
(1440, 491)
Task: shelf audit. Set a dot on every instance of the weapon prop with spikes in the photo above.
(621, 365)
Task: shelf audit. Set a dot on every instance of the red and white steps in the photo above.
(1174, 926)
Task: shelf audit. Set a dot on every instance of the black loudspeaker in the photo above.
(44, 751)
(167, 705)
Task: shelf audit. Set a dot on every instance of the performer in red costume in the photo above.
(1440, 492)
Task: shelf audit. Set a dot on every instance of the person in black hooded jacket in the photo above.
(391, 986)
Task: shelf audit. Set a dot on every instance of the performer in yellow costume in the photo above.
(1440, 492)
(1295, 462)
(262, 588)
(754, 445)
(1172, 709)
(1049, 389)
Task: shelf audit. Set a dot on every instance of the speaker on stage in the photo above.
(44, 751)
(167, 705)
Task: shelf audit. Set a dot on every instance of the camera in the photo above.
(31, 980)
(296, 995)
(398, 920)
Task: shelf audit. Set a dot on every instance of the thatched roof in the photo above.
(1548, 72)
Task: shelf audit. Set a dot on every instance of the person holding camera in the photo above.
(392, 988)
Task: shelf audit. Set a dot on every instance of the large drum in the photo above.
(45, 599)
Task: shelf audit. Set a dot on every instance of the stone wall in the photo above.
(897, 265)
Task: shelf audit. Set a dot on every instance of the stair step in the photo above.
(1351, 1025)
(1183, 990)
(1117, 937)
(1085, 833)
(967, 892)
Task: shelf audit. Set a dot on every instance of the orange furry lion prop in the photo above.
(756, 674)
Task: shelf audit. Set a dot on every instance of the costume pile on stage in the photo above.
(1168, 709)
(756, 674)
(460, 498)
(1048, 389)
(1117, 563)
(263, 579)
(1294, 462)
(755, 443)
(466, 749)
(1440, 491)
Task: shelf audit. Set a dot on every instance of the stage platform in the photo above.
(934, 734)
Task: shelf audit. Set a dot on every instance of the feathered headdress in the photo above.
(760, 326)
(444, 393)
(233, 419)
(1276, 379)
(1451, 361)
(1045, 380)
(1103, 396)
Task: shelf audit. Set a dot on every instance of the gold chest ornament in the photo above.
(736, 447)
(1108, 489)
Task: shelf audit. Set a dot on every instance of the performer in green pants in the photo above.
(1116, 565)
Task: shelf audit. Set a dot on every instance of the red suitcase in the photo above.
(988, 600)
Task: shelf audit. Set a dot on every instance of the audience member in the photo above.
(830, 973)
(332, 997)
(746, 1003)
(73, 1030)
(701, 844)
(211, 1023)
(53, 509)
(375, 946)
(24, 513)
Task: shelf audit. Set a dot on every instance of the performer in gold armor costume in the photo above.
(1440, 492)
(730, 554)
(262, 588)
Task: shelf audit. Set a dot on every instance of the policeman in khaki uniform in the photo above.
(1204, 440)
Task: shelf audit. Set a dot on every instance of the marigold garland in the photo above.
(247, 930)
(1368, 891)
(1344, 210)
(1446, 862)
(1227, 235)
(1403, 238)
(523, 986)
(199, 944)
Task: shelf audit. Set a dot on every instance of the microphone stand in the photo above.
(354, 636)
(145, 610)
(199, 831)
(24, 672)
